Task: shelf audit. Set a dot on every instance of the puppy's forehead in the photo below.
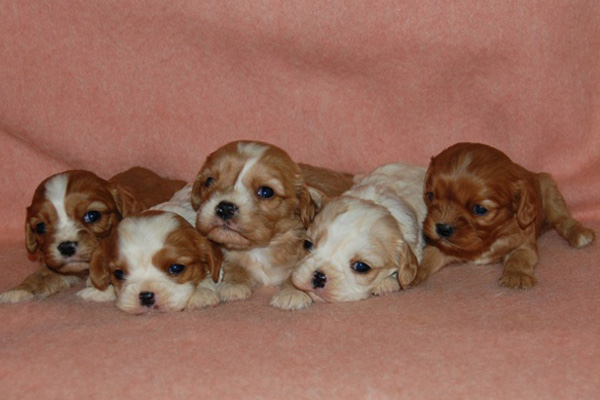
(142, 236)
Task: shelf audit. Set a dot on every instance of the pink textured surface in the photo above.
(107, 85)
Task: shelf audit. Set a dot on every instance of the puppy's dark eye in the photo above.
(361, 267)
(479, 210)
(429, 196)
(40, 228)
(265, 192)
(119, 274)
(92, 216)
(308, 245)
(176, 269)
(209, 182)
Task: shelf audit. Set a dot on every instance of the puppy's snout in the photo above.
(226, 210)
(147, 299)
(67, 249)
(319, 280)
(444, 230)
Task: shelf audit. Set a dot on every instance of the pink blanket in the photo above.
(348, 85)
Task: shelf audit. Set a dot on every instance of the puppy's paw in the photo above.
(387, 286)
(203, 298)
(581, 237)
(233, 291)
(291, 299)
(93, 294)
(517, 280)
(16, 296)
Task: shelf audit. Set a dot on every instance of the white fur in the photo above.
(65, 229)
(180, 204)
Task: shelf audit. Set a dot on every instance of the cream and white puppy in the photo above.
(252, 199)
(366, 242)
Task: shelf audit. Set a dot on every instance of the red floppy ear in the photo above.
(126, 203)
(407, 264)
(212, 258)
(30, 240)
(312, 201)
(525, 203)
(99, 271)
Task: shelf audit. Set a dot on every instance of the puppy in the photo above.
(70, 212)
(483, 208)
(156, 260)
(251, 198)
(367, 241)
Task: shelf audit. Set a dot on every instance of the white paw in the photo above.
(291, 299)
(387, 286)
(203, 298)
(16, 296)
(233, 292)
(93, 294)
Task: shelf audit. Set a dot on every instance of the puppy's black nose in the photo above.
(319, 280)
(67, 249)
(226, 210)
(444, 230)
(147, 299)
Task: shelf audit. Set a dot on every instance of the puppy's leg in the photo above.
(290, 298)
(90, 293)
(518, 268)
(205, 295)
(236, 284)
(42, 283)
(388, 285)
(558, 216)
(433, 261)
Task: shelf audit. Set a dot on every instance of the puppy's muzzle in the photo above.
(147, 299)
(67, 249)
(444, 230)
(319, 280)
(226, 210)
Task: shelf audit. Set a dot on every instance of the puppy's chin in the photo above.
(465, 243)
(228, 237)
(71, 267)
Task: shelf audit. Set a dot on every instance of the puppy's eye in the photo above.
(265, 192)
(479, 210)
(40, 228)
(92, 216)
(209, 182)
(308, 245)
(429, 196)
(119, 274)
(361, 267)
(176, 269)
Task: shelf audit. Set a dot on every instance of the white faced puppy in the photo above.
(252, 199)
(367, 241)
(158, 261)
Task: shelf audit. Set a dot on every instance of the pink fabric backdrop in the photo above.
(349, 85)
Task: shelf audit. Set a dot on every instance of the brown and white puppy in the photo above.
(366, 242)
(484, 208)
(157, 261)
(252, 199)
(70, 212)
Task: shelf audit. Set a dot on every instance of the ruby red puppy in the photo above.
(483, 208)
(253, 200)
(70, 212)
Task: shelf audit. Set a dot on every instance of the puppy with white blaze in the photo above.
(366, 242)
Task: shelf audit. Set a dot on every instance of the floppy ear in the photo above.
(99, 271)
(196, 189)
(212, 257)
(30, 241)
(524, 203)
(126, 202)
(407, 264)
(312, 200)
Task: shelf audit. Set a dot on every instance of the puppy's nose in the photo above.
(319, 280)
(444, 230)
(67, 249)
(147, 299)
(226, 210)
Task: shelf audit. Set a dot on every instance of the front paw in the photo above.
(291, 299)
(517, 280)
(92, 294)
(16, 296)
(233, 291)
(387, 286)
(203, 298)
(581, 237)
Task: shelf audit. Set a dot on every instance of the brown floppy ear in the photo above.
(126, 202)
(312, 200)
(99, 271)
(524, 203)
(196, 189)
(212, 257)
(407, 264)
(30, 241)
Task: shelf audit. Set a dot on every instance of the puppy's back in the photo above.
(146, 186)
